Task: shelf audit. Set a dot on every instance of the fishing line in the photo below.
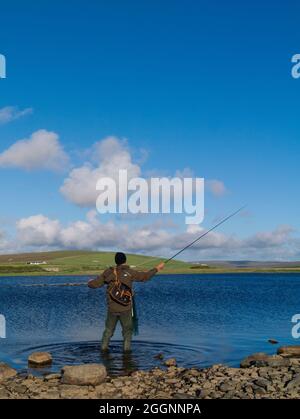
(204, 234)
(198, 238)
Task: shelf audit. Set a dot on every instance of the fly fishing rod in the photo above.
(205, 234)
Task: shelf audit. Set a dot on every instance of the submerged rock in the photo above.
(6, 371)
(84, 375)
(38, 359)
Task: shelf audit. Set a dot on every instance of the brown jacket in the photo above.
(127, 276)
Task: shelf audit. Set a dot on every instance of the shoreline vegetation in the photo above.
(77, 263)
(260, 376)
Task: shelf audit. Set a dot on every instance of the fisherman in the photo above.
(119, 294)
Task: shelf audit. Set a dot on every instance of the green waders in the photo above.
(110, 326)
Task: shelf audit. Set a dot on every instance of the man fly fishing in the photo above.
(119, 281)
(119, 292)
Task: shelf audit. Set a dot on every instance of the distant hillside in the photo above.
(83, 262)
(75, 262)
(250, 264)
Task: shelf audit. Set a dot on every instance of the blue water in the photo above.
(199, 319)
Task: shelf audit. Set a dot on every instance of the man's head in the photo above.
(120, 258)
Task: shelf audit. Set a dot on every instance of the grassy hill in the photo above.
(76, 262)
(89, 262)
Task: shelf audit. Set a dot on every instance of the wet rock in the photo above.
(39, 359)
(159, 356)
(273, 341)
(84, 375)
(289, 351)
(6, 372)
(171, 362)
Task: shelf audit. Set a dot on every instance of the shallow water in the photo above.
(199, 319)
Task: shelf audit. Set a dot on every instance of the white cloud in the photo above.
(11, 113)
(216, 187)
(41, 151)
(108, 157)
(40, 231)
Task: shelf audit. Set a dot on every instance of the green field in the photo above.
(76, 263)
(88, 262)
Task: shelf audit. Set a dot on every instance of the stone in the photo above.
(84, 375)
(50, 377)
(273, 341)
(252, 359)
(261, 382)
(39, 359)
(171, 362)
(289, 351)
(263, 360)
(52, 394)
(74, 392)
(6, 372)
(4, 394)
(294, 383)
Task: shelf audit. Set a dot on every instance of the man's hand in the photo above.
(160, 266)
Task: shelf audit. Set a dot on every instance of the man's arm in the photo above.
(99, 281)
(145, 276)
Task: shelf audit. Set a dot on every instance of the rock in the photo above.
(74, 392)
(261, 382)
(289, 351)
(225, 387)
(50, 377)
(6, 372)
(171, 362)
(263, 360)
(159, 356)
(84, 375)
(252, 359)
(276, 361)
(52, 394)
(4, 394)
(273, 341)
(294, 383)
(39, 359)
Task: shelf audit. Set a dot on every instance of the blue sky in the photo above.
(204, 85)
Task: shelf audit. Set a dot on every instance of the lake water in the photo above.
(199, 319)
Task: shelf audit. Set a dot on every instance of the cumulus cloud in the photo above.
(107, 158)
(91, 233)
(216, 187)
(11, 113)
(41, 151)
(38, 230)
(4, 243)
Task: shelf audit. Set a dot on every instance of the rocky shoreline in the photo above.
(259, 376)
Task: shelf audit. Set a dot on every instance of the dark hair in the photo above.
(120, 258)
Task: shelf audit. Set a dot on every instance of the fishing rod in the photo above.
(204, 234)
